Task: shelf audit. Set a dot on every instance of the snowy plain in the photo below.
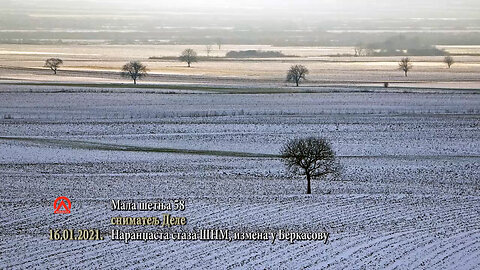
(408, 196)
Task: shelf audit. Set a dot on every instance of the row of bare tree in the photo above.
(406, 64)
(298, 73)
(136, 70)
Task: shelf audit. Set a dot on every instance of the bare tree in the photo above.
(297, 73)
(134, 70)
(359, 51)
(219, 43)
(449, 61)
(53, 64)
(208, 48)
(312, 157)
(189, 56)
(406, 65)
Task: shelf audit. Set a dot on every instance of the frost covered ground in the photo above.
(102, 63)
(408, 196)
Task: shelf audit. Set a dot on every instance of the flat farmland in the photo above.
(102, 63)
(408, 195)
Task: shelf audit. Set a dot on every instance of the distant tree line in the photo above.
(273, 36)
(254, 54)
(398, 46)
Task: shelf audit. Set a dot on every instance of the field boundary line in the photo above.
(88, 145)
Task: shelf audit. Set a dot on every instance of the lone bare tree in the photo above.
(312, 157)
(449, 61)
(219, 43)
(406, 65)
(208, 48)
(189, 56)
(297, 73)
(134, 70)
(53, 64)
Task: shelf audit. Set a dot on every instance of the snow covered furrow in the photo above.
(408, 195)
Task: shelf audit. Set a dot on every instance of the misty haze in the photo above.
(263, 134)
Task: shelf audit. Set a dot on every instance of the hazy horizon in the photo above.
(323, 22)
(330, 8)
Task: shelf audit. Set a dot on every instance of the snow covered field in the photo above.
(408, 196)
(102, 64)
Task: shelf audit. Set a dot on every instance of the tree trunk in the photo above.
(296, 81)
(134, 81)
(55, 71)
(309, 189)
(406, 75)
